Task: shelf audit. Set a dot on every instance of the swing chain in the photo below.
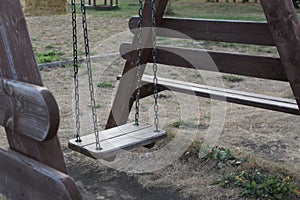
(75, 64)
(90, 76)
(139, 64)
(154, 56)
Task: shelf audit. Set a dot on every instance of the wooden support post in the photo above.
(20, 64)
(285, 28)
(121, 107)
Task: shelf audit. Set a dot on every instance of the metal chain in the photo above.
(154, 55)
(75, 66)
(90, 75)
(139, 64)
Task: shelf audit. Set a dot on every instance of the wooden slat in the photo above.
(17, 61)
(28, 109)
(285, 28)
(120, 110)
(232, 63)
(26, 179)
(232, 96)
(245, 32)
(116, 139)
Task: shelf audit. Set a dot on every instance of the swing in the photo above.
(106, 144)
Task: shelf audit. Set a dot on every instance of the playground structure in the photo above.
(112, 4)
(34, 164)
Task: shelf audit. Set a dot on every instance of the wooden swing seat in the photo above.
(114, 140)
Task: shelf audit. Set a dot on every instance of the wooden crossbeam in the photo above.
(225, 62)
(245, 32)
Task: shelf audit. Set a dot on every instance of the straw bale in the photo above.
(45, 7)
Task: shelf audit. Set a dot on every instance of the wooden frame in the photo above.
(281, 30)
(34, 158)
(34, 165)
(112, 4)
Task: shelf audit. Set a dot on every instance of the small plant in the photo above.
(105, 85)
(223, 156)
(260, 186)
(181, 124)
(49, 46)
(232, 78)
(50, 56)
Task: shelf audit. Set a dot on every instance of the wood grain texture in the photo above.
(120, 110)
(17, 62)
(26, 179)
(28, 109)
(245, 32)
(285, 28)
(114, 140)
(225, 62)
(232, 96)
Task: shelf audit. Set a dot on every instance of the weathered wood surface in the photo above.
(245, 32)
(28, 109)
(120, 110)
(26, 179)
(114, 140)
(232, 96)
(17, 62)
(232, 63)
(285, 28)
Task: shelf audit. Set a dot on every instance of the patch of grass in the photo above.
(49, 46)
(50, 56)
(183, 124)
(105, 85)
(232, 78)
(257, 185)
(222, 156)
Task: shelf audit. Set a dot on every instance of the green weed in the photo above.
(50, 56)
(105, 85)
(232, 78)
(260, 186)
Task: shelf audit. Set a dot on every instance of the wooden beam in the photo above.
(232, 63)
(26, 179)
(285, 28)
(222, 94)
(233, 31)
(28, 109)
(17, 62)
(120, 110)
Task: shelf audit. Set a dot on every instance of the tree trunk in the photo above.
(45, 7)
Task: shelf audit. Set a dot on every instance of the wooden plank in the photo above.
(17, 61)
(26, 179)
(232, 63)
(28, 109)
(121, 107)
(232, 96)
(114, 140)
(285, 28)
(245, 32)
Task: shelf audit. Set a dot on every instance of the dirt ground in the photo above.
(271, 139)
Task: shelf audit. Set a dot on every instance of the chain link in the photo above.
(75, 66)
(154, 55)
(90, 75)
(139, 64)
